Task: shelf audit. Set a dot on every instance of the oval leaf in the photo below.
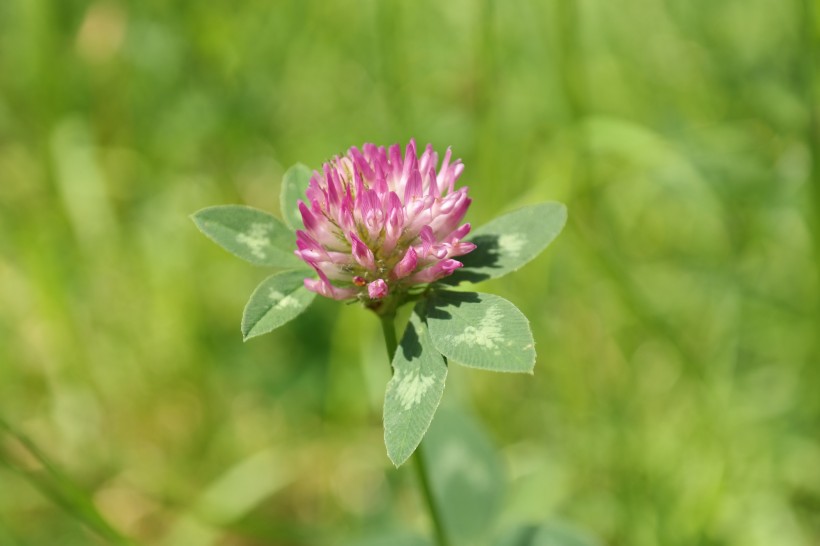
(481, 331)
(466, 475)
(277, 300)
(249, 233)
(414, 392)
(294, 184)
(510, 241)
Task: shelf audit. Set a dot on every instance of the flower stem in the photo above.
(389, 329)
(427, 493)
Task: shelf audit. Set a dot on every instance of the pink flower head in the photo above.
(377, 223)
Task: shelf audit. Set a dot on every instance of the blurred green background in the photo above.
(676, 399)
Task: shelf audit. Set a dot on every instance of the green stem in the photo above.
(427, 493)
(389, 329)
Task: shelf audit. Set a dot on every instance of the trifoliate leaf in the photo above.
(277, 300)
(251, 234)
(481, 331)
(414, 392)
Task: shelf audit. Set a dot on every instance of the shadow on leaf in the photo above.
(410, 343)
(485, 256)
(438, 304)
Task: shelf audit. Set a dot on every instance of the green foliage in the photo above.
(278, 299)
(251, 234)
(481, 331)
(414, 391)
(509, 242)
(466, 475)
(294, 184)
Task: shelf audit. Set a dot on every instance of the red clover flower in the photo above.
(377, 224)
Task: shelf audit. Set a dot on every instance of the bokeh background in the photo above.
(676, 399)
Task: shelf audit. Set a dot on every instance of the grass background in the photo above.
(675, 400)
